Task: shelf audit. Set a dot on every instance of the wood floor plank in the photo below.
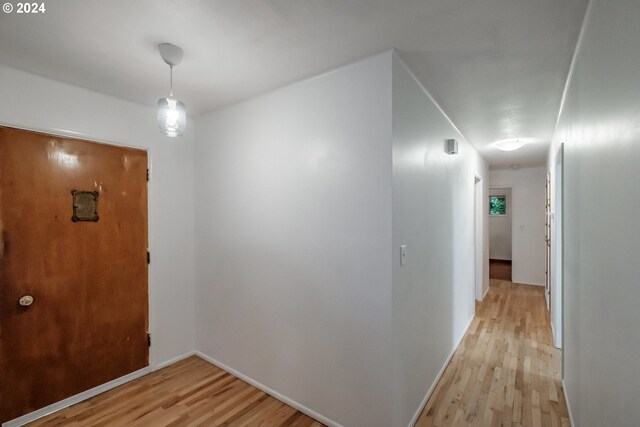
(514, 370)
(192, 392)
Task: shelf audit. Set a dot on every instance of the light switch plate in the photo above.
(403, 254)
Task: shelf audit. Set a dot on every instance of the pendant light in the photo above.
(172, 115)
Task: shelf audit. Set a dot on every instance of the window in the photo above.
(497, 205)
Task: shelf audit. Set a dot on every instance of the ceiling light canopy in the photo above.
(509, 144)
(172, 114)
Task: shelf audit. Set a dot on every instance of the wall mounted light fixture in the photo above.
(451, 146)
(172, 114)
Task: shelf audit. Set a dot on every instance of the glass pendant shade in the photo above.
(172, 116)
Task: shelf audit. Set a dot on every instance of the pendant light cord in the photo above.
(171, 80)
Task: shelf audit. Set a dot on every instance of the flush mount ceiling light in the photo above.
(509, 144)
(172, 115)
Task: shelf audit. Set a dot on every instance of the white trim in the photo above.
(574, 58)
(284, 86)
(486, 292)
(396, 54)
(553, 334)
(415, 417)
(478, 238)
(174, 360)
(566, 399)
(520, 282)
(32, 416)
(269, 391)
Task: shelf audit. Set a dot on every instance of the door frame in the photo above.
(557, 249)
(547, 242)
(478, 237)
(508, 193)
(87, 394)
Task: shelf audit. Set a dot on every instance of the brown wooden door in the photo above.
(89, 318)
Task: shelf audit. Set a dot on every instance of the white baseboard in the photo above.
(520, 282)
(32, 416)
(553, 335)
(269, 391)
(485, 294)
(415, 417)
(174, 360)
(566, 399)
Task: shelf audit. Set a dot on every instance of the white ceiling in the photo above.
(497, 67)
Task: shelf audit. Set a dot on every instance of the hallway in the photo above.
(506, 371)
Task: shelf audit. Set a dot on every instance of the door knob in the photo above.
(26, 301)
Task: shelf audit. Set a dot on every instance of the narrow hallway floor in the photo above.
(506, 371)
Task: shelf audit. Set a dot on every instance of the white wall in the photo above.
(500, 228)
(600, 127)
(433, 214)
(527, 221)
(36, 103)
(294, 241)
(299, 283)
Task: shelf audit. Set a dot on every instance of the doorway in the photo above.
(73, 267)
(478, 238)
(500, 233)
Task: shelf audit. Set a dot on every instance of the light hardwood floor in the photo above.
(506, 371)
(192, 392)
